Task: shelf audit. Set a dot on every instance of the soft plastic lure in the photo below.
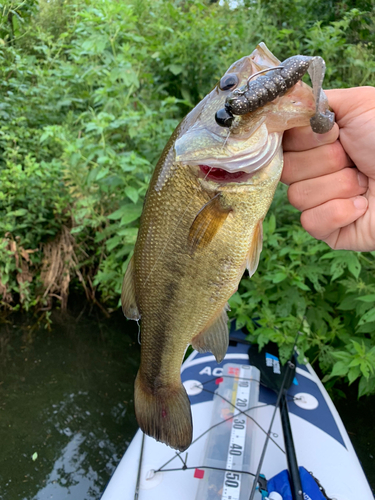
(276, 83)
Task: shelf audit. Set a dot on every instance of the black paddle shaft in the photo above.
(290, 451)
(277, 377)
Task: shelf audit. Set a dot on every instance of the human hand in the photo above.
(332, 176)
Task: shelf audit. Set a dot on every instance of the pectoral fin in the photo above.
(215, 338)
(208, 222)
(129, 304)
(255, 249)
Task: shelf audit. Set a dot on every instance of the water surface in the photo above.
(65, 395)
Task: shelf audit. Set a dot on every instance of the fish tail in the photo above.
(164, 413)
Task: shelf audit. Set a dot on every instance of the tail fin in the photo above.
(164, 414)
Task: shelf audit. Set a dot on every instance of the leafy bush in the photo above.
(90, 95)
(327, 295)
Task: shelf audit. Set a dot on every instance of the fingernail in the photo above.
(362, 179)
(360, 202)
(327, 138)
(322, 139)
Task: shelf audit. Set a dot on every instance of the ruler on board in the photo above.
(236, 449)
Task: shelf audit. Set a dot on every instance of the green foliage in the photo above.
(91, 92)
(327, 295)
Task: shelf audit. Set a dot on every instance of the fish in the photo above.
(200, 228)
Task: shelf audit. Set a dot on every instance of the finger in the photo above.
(324, 221)
(310, 193)
(303, 138)
(348, 102)
(314, 163)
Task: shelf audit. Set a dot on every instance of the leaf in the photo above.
(343, 259)
(45, 136)
(366, 298)
(339, 369)
(337, 269)
(354, 265)
(18, 213)
(92, 175)
(348, 303)
(235, 300)
(342, 355)
(132, 193)
(278, 277)
(176, 69)
(187, 96)
(113, 242)
(129, 233)
(271, 224)
(329, 255)
(360, 349)
(118, 213)
(365, 369)
(366, 328)
(354, 373)
(355, 362)
(102, 173)
(132, 213)
(367, 317)
(302, 286)
(366, 386)
(34, 456)
(241, 321)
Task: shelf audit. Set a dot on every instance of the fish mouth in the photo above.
(220, 175)
(235, 156)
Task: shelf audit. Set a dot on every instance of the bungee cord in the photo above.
(240, 412)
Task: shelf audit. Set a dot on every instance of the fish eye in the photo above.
(228, 82)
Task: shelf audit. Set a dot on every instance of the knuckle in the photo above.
(367, 92)
(335, 213)
(332, 239)
(334, 155)
(348, 181)
(321, 221)
(296, 194)
(310, 222)
(329, 137)
(287, 173)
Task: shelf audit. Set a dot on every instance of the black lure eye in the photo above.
(228, 82)
(224, 118)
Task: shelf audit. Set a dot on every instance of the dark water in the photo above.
(67, 396)
(359, 419)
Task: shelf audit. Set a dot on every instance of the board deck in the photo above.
(322, 444)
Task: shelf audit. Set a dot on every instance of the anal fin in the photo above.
(215, 338)
(255, 249)
(128, 301)
(207, 223)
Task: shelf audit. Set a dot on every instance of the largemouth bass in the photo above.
(200, 229)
